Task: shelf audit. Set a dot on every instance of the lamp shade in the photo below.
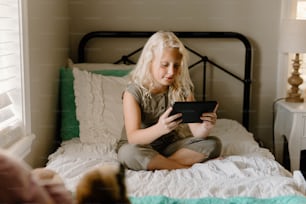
(293, 36)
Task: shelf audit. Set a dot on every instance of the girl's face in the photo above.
(165, 67)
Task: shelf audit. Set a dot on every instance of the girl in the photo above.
(151, 139)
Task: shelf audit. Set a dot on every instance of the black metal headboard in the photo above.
(246, 80)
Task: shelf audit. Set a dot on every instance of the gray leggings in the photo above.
(137, 157)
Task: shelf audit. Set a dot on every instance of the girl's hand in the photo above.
(168, 123)
(209, 119)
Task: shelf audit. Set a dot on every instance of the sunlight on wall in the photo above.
(301, 14)
(301, 10)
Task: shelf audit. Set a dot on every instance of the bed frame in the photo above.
(246, 80)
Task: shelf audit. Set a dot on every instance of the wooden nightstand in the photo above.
(290, 122)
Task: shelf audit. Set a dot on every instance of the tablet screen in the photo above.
(192, 110)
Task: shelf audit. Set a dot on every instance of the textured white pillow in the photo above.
(236, 140)
(99, 106)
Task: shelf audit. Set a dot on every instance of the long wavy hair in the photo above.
(182, 86)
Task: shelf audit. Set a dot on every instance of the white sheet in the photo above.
(256, 174)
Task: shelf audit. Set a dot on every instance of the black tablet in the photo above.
(192, 110)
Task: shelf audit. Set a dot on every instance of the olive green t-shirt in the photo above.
(151, 109)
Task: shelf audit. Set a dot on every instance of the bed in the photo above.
(91, 122)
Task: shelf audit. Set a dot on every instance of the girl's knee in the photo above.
(217, 147)
(126, 152)
(211, 147)
(135, 157)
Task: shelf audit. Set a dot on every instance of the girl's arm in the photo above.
(132, 121)
(203, 129)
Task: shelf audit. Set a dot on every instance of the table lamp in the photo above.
(293, 40)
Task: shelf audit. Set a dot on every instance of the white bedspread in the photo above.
(253, 175)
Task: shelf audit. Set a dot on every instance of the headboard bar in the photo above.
(125, 59)
(204, 59)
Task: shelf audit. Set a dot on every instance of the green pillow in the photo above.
(69, 125)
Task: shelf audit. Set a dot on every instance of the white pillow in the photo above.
(99, 106)
(236, 140)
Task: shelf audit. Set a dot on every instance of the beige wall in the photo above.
(258, 20)
(48, 47)
(49, 40)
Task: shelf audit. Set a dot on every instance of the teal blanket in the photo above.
(234, 200)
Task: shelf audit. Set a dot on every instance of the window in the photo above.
(14, 116)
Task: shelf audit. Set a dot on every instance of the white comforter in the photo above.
(254, 175)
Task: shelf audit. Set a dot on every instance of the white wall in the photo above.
(48, 46)
(258, 20)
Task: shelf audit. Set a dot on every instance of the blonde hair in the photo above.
(182, 86)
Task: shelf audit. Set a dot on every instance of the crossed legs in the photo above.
(183, 158)
(180, 154)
